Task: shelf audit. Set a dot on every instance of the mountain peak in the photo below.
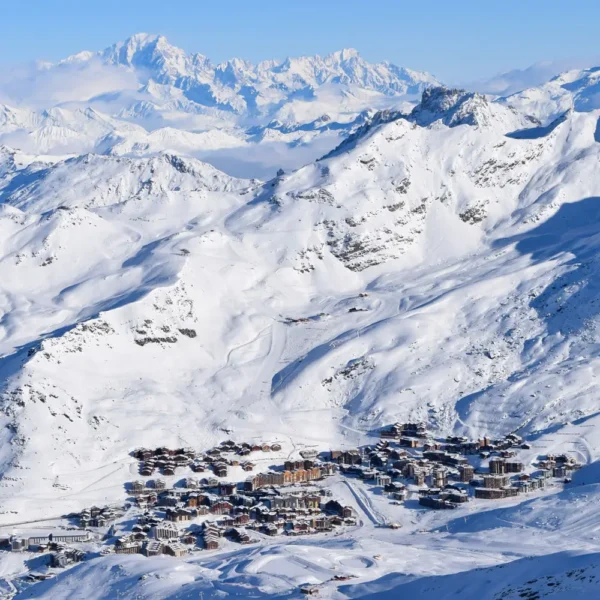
(450, 105)
(343, 55)
(143, 50)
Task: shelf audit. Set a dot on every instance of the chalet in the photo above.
(321, 523)
(350, 457)
(168, 500)
(435, 502)
(270, 529)
(399, 495)
(497, 466)
(312, 501)
(152, 548)
(188, 539)
(174, 549)
(394, 486)
(99, 521)
(419, 478)
(560, 472)
(138, 453)
(178, 515)
(334, 455)
(301, 526)
(538, 483)
(377, 459)
(291, 465)
(336, 507)
(455, 496)
(59, 560)
(220, 470)
(165, 530)
(128, 548)
(241, 519)
(524, 486)
(440, 478)
(240, 536)
(227, 489)
(432, 446)
(490, 493)
(276, 447)
(146, 469)
(514, 466)
(221, 508)
(495, 481)
(211, 542)
(466, 473)
(327, 470)
(382, 479)
(409, 442)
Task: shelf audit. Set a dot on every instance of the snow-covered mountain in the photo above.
(438, 264)
(240, 86)
(578, 89)
(147, 95)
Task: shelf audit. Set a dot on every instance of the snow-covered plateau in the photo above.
(424, 255)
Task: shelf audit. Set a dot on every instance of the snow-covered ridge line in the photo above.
(169, 64)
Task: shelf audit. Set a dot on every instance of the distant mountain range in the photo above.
(143, 95)
(244, 88)
(295, 110)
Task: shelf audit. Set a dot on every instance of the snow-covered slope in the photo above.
(573, 90)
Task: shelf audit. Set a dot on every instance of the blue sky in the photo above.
(456, 41)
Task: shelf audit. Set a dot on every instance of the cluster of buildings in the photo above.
(44, 542)
(447, 474)
(169, 527)
(199, 513)
(167, 460)
(98, 517)
(56, 543)
(63, 556)
(195, 513)
(560, 465)
(294, 472)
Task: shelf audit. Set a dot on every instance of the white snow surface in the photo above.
(443, 262)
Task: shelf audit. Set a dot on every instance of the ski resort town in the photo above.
(208, 508)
